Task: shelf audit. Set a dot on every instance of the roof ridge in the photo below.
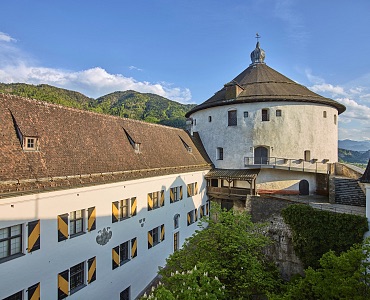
(45, 103)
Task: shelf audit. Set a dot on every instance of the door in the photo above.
(304, 187)
(260, 156)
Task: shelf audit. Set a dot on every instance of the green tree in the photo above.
(194, 284)
(345, 276)
(230, 247)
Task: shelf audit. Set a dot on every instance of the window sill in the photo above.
(75, 290)
(11, 257)
(124, 261)
(76, 234)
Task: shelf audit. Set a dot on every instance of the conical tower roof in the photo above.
(260, 83)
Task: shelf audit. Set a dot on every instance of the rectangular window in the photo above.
(176, 221)
(192, 189)
(209, 118)
(124, 252)
(307, 155)
(155, 236)
(265, 115)
(155, 200)
(76, 222)
(30, 143)
(335, 119)
(246, 114)
(125, 208)
(191, 217)
(10, 241)
(220, 153)
(324, 114)
(176, 241)
(278, 112)
(232, 118)
(77, 277)
(125, 294)
(175, 194)
(16, 296)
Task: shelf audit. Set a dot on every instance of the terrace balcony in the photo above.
(312, 166)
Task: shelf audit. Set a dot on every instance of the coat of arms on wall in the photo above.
(104, 236)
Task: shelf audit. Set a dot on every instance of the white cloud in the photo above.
(6, 38)
(328, 88)
(92, 82)
(135, 68)
(355, 110)
(16, 66)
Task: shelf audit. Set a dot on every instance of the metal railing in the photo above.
(228, 191)
(288, 164)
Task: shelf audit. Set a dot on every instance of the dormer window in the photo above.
(135, 145)
(187, 147)
(30, 143)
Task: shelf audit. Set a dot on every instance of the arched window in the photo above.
(260, 156)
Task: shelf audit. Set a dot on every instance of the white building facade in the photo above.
(92, 212)
(265, 122)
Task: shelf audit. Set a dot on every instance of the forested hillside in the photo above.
(129, 104)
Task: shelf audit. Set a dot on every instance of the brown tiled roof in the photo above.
(261, 84)
(366, 176)
(76, 146)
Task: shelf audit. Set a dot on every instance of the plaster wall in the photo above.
(300, 127)
(281, 181)
(53, 257)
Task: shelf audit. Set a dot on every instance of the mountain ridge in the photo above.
(147, 107)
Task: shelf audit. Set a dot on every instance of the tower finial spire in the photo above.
(258, 54)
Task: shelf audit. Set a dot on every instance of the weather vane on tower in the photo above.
(257, 37)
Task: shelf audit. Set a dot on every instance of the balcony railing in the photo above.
(227, 191)
(287, 164)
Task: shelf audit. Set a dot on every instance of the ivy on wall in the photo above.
(315, 232)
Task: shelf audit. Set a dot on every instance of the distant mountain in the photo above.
(351, 156)
(148, 107)
(47, 93)
(354, 145)
(129, 104)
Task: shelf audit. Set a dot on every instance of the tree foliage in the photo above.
(195, 284)
(128, 104)
(344, 276)
(229, 248)
(316, 232)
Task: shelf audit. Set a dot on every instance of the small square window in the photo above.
(30, 143)
(246, 114)
(278, 112)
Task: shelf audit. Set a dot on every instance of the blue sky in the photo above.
(187, 50)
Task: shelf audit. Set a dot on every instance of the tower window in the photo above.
(307, 155)
(324, 113)
(265, 115)
(232, 118)
(278, 112)
(246, 115)
(335, 119)
(220, 153)
(209, 118)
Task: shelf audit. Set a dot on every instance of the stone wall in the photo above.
(268, 209)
